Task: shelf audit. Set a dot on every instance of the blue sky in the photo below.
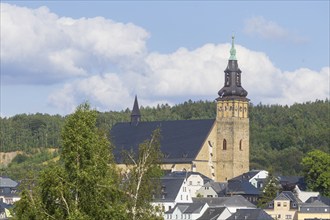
(57, 54)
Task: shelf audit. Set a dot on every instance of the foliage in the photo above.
(34, 162)
(141, 180)
(84, 184)
(269, 192)
(316, 169)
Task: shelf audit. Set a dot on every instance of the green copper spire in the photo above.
(232, 50)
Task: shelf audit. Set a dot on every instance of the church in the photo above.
(217, 148)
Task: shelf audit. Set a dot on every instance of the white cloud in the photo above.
(107, 63)
(38, 46)
(106, 91)
(259, 26)
(198, 74)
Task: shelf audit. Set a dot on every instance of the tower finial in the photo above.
(232, 50)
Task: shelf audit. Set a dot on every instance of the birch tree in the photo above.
(142, 179)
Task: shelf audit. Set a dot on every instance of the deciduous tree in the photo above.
(316, 169)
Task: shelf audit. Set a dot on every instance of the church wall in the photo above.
(205, 159)
(177, 166)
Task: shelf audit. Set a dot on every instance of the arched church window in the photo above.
(240, 145)
(224, 144)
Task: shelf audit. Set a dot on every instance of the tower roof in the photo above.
(136, 109)
(232, 88)
(135, 115)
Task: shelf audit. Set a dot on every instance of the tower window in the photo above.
(224, 144)
(240, 145)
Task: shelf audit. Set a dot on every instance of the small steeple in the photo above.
(135, 115)
(232, 50)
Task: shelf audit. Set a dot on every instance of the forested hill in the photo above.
(279, 135)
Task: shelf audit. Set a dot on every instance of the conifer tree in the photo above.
(270, 190)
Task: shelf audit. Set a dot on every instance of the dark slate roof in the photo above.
(293, 180)
(194, 208)
(183, 175)
(188, 208)
(212, 213)
(241, 187)
(316, 206)
(171, 187)
(250, 214)
(219, 187)
(233, 201)
(247, 175)
(180, 140)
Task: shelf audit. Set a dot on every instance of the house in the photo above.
(8, 190)
(178, 187)
(250, 214)
(174, 190)
(235, 186)
(212, 189)
(217, 148)
(186, 211)
(315, 208)
(243, 188)
(284, 206)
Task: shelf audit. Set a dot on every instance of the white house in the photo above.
(173, 190)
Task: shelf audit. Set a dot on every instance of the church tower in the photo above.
(232, 152)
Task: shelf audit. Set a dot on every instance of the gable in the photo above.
(180, 140)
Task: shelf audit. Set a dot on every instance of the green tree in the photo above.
(270, 190)
(316, 169)
(84, 184)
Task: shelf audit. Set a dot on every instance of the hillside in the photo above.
(279, 135)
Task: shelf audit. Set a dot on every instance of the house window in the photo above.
(186, 197)
(181, 197)
(190, 183)
(209, 196)
(278, 204)
(288, 217)
(224, 144)
(279, 216)
(240, 145)
(294, 205)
